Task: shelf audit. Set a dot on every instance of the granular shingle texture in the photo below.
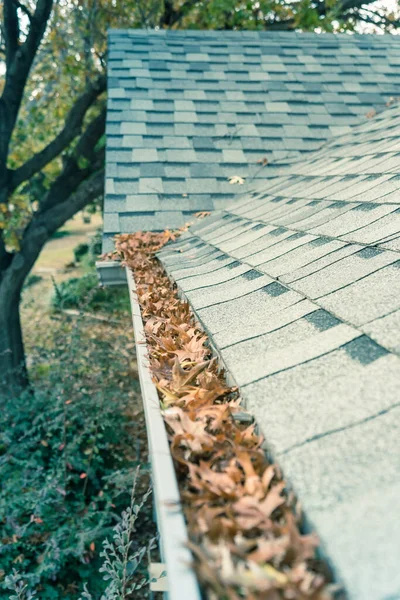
(298, 284)
(187, 110)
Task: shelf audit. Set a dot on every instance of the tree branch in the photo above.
(10, 30)
(345, 6)
(349, 4)
(72, 128)
(172, 16)
(38, 26)
(87, 192)
(72, 175)
(5, 257)
(20, 60)
(42, 227)
(382, 19)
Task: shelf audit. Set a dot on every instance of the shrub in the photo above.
(80, 251)
(67, 459)
(89, 251)
(85, 290)
(57, 502)
(95, 246)
(32, 280)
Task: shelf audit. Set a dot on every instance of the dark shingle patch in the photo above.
(275, 289)
(322, 319)
(295, 236)
(337, 205)
(364, 350)
(251, 275)
(365, 207)
(278, 231)
(319, 241)
(369, 252)
(233, 265)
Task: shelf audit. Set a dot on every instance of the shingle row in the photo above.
(190, 106)
(298, 285)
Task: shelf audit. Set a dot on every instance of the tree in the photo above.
(52, 112)
(308, 15)
(78, 181)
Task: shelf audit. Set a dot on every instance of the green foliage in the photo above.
(122, 562)
(55, 498)
(32, 280)
(67, 462)
(75, 292)
(16, 584)
(120, 565)
(80, 251)
(89, 251)
(61, 233)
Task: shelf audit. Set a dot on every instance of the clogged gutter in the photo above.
(243, 523)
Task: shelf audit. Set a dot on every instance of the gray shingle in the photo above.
(248, 88)
(316, 348)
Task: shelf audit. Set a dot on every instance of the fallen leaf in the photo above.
(235, 179)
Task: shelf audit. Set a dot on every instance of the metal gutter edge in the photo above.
(182, 581)
(110, 273)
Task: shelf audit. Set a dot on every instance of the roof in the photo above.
(189, 109)
(296, 274)
(298, 285)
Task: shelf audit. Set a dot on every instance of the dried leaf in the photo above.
(247, 539)
(235, 179)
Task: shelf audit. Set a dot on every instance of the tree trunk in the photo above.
(13, 374)
(14, 269)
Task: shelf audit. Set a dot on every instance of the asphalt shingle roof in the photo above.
(189, 109)
(298, 284)
(296, 274)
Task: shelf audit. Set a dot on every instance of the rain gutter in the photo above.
(182, 581)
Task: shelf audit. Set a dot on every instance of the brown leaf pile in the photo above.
(243, 523)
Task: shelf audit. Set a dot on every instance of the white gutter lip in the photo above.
(182, 581)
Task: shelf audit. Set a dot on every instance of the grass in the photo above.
(58, 251)
(55, 264)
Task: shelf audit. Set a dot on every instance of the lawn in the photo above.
(58, 252)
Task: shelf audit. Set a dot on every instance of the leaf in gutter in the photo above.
(193, 350)
(268, 549)
(236, 180)
(247, 538)
(168, 397)
(181, 378)
(304, 545)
